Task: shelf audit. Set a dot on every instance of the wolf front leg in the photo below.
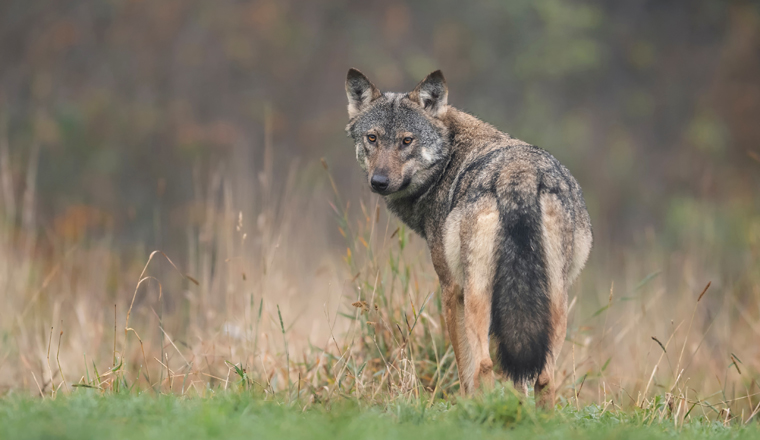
(454, 308)
(467, 324)
(454, 313)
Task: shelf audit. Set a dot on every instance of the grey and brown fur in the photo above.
(506, 224)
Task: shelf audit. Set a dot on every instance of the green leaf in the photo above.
(604, 367)
(118, 367)
(647, 279)
(346, 315)
(600, 311)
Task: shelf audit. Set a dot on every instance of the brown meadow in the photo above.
(263, 302)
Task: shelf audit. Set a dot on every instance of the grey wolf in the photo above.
(506, 224)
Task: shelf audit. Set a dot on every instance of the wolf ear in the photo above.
(432, 93)
(360, 92)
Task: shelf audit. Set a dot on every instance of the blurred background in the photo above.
(131, 125)
(652, 105)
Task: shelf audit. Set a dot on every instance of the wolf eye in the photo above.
(407, 140)
(371, 138)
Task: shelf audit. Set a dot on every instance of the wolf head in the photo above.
(401, 142)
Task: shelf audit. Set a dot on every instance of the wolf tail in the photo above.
(521, 306)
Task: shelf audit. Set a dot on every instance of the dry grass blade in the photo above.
(704, 291)
(58, 359)
(688, 331)
(660, 344)
(143, 278)
(639, 403)
(50, 370)
(753, 414)
(34, 376)
(161, 327)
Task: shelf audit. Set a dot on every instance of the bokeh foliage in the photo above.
(652, 105)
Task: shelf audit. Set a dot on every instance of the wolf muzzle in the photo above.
(380, 182)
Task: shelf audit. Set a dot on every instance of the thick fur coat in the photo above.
(506, 224)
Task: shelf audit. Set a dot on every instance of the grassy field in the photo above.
(262, 326)
(177, 261)
(86, 415)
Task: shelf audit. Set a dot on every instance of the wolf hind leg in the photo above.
(477, 316)
(555, 233)
(545, 386)
(479, 241)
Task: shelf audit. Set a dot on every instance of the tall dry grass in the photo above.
(263, 301)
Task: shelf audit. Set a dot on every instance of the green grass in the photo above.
(87, 414)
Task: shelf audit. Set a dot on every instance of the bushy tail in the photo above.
(521, 306)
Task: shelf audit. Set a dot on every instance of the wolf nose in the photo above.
(379, 182)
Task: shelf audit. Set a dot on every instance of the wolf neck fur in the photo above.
(465, 133)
